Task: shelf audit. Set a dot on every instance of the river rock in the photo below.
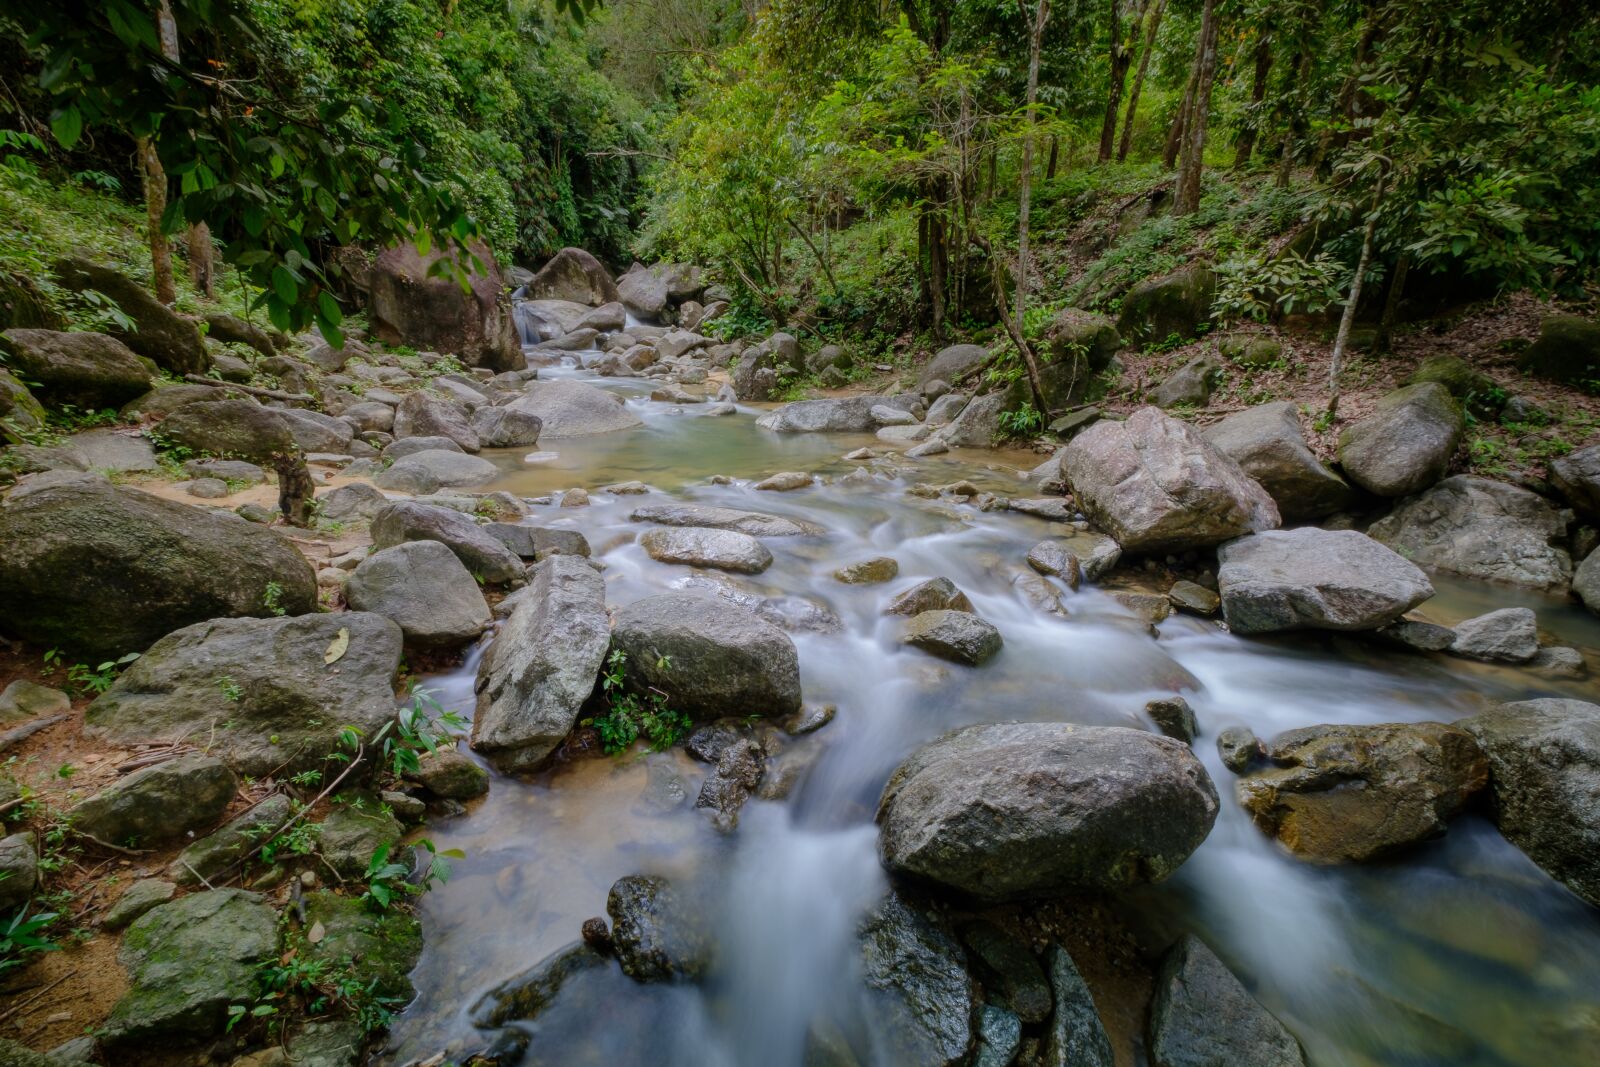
(1577, 477)
(930, 1000)
(312, 431)
(784, 482)
(19, 870)
(1567, 350)
(157, 804)
(1308, 578)
(542, 666)
(574, 409)
(224, 848)
(349, 503)
(21, 415)
(710, 657)
(351, 835)
(286, 688)
(1267, 444)
(87, 370)
(573, 275)
(696, 546)
(506, 428)
(1405, 445)
(237, 429)
(433, 469)
(105, 570)
(933, 594)
(1204, 1017)
(433, 313)
(848, 414)
(159, 333)
(187, 961)
(528, 994)
(1173, 717)
(754, 523)
(1013, 810)
(1509, 635)
(643, 292)
(954, 635)
(484, 555)
(451, 774)
(1056, 560)
(1544, 773)
(1155, 485)
(999, 1037)
(655, 931)
(740, 766)
(1010, 973)
(762, 366)
(1238, 748)
(1337, 794)
(868, 571)
(1176, 305)
(1483, 529)
(425, 589)
(23, 699)
(422, 414)
(1586, 582)
(610, 317)
(1077, 1037)
(978, 425)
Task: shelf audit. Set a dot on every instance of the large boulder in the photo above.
(710, 657)
(1484, 529)
(754, 523)
(21, 414)
(1577, 477)
(929, 1001)
(421, 414)
(573, 274)
(103, 570)
(1204, 1017)
(409, 306)
(952, 364)
(1004, 811)
(266, 694)
(158, 333)
(485, 556)
(432, 469)
(542, 665)
(86, 370)
(574, 409)
(1081, 345)
(506, 428)
(1405, 445)
(1155, 485)
(239, 429)
(1335, 794)
(849, 414)
(1177, 305)
(1567, 350)
(425, 589)
(313, 431)
(643, 291)
(761, 367)
(1544, 772)
(1315, 579)
(696, 546)
(1267, 444)
(188, 962)
(158, 804)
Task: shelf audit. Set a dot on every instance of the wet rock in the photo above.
(1194, 599)
(1014, 810)
(754, 523)
(23, 699)
(188, 960)
(654, 931)
(1267, 444)
(1405, 445)
(87, 370)
(450, 774)
(402, 521)
(425, 589)
(868, 571)
(933, 594)
(137, 899)
(1482, 529)
(1203, 1017)
(929, 999)
(19, 870)
(664, 791)
(1102, 559)
(1418, 636)
(1509, 635)
(851, 414)
(1011, 975)
(999, 1037)
(408, 306)
(1567, 350)
(1238, 747)
(351, 503)
(1544, 772)
(1576, 476)
(726, 550)
(711, 658)
(527, 995)
(158, 804)
(1155, 485)
(158, 333)
(573, 409)
(542, 666)
(376, 949)
(281, 721)
(739, 769)
(1308, 578)
(799, 615)
(1054, 559)
(239, 429)
(784, 481)
(1077, 1037)
(1174, 717)
(1354, 793)
(954, 635)
(352, 834)
(506, 428)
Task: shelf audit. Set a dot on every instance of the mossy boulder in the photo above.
(187, 961)
(1567, 350)
(87, 370)
(23, 305)
(1177, 305)
(21, 414)
(1251, 351)
(1081, 345)
(240, 429)
(158, 804)
(369, 945)
(159, 334)
(1474, 389)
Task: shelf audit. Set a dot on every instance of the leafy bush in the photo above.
(1263, 288)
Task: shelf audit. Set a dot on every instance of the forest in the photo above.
(810, 533)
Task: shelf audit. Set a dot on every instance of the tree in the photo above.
(1186, 198)
(1121, 59)
(1024, 202)
(1152, 27)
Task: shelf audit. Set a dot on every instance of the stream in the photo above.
(1462, 952)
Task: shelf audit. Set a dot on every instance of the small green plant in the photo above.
(1022, 422)
(421, 727)
(231, 690)
(99, 679)
(299, 840)
(20, 936)
(629, 717)
(387, 879)
(272, 599)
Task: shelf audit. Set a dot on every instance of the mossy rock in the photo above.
(23, 306)
(1475, 389)
(1178, 305)
(354, 832)
(20, 413)
(1568, 350)
(1250, 351)
(1081, 346)
(375, 946)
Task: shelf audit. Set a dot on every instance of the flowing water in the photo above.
(1461, 953)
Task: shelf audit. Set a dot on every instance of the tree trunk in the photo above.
(1169, 156)
(1151, 26)
(1302, 70)
(295, 487)
(1025, 202)
(1391, 302)
(1348, 319)
(1258, 94)
(938, 281)
(1055, 149)
(1120, 59)
(202, 259)
(154, 179)
(1187, 198)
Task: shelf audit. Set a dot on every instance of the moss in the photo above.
(379, 947)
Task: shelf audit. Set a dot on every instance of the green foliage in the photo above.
(420, 727)
(628, 717)
(387, 880)
(96, 680)
(1021, 422)
(1263, 288)
(272, 599)
(21, 936)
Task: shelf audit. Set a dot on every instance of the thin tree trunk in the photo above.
(1151, 26)
(1055, 149)
(1348, 319)
(1187, 198)
(1302, 70)
(1120, 59)
(155, 205)
(1391, 302)
(1180, 122)
(1258, 94)
(201, 257)
(1025, 203)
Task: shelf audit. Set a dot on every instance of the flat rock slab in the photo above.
(726, 550)
(574, 409)
(754, 523)
(1315, 579)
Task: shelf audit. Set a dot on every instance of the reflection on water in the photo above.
(1463, 953)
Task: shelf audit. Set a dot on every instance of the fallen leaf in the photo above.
(337, 647)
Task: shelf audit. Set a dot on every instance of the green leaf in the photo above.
(283, 284)
(67, 125)
(329, 308)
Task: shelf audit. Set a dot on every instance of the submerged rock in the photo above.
(754, 523)
(1357, 793)
(1012, 810)
(934, 594)
(655, 932)
(1315, 579)
(1203, 1017)
(525, 996)
(929, 998)
(726, 550)
(573, 409)
(954, 635)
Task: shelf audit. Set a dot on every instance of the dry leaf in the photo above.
(337, 647)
